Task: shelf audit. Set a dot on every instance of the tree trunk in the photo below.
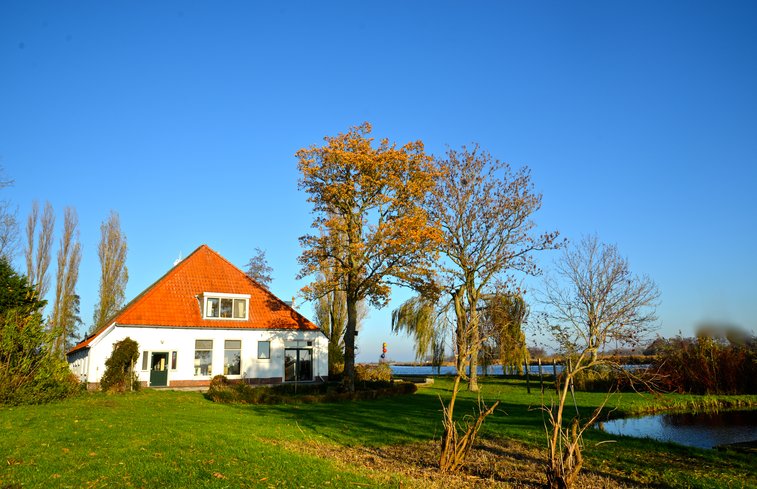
(349, 344)
(473, 333)
(473, 376)
(460, 334)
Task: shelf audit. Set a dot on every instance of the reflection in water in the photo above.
(694, 430)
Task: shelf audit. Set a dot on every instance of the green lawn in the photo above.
(179, 439)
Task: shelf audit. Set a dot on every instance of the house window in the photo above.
(264, 350)
(211, 307)
(173, 360)
(232, 357)
(225, 306)
(203, 357)
(144, 360)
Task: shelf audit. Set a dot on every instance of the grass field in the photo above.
(179, 439)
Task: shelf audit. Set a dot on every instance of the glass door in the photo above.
(298, 364)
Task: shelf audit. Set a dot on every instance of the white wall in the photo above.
(182, 341)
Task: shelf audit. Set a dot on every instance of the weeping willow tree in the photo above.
(419, 318)
(501, 324)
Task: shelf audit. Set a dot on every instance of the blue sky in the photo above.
(637, 119)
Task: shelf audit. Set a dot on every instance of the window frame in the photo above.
(226, 349)
(220, 296)
(210, 365)
(269, 350)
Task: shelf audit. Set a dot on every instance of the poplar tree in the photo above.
(8, 224)
(65, 317)
(37, 264)
(113, 272)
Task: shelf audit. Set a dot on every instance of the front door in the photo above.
(159, 369)
(298, 364)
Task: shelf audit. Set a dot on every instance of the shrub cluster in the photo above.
(366, 372)
(709, 365)
(596, 380)
(223, 391)
(119, 373)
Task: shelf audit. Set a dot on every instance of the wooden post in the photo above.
(541, 379)
(554, 372)
(528, 385)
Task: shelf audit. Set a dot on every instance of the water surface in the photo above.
(703, 430)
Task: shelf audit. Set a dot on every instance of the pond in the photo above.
(702, 430)
(492, 370)
(451, 370)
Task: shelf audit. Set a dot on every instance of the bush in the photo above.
(119, 374)
(709, 365)
(30, 373)
(336, 370)
(596, 380)
(219, 380)
(366, 372)
(306, 394)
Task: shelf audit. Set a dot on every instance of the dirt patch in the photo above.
(491, 464)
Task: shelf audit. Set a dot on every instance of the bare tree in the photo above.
(594, 299)
(8, 224)
(65, 316)
(259, 270)
(113, 272)
(8, 230)
(37, 264)
(485, 210)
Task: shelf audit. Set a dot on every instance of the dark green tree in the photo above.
(29, 371)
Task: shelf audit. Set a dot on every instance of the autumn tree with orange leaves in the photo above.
(372, 228)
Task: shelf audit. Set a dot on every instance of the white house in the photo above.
(203, 318)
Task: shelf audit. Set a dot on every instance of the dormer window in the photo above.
(218, 305)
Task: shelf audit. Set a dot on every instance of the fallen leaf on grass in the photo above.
(218, 475)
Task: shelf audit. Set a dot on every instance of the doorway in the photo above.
(159, 369)
(298, 364)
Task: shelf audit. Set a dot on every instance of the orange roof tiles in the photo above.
(174, 300)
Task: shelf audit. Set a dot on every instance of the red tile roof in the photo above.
(174, 300)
